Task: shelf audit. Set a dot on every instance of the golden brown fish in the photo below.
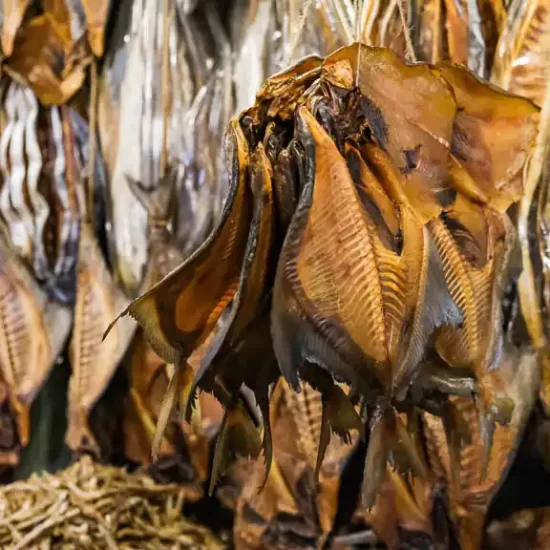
(461, 465)
(382, 243)
(93, 361)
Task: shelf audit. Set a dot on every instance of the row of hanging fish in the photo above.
(385, 228)
(85, 226)
(152, 169)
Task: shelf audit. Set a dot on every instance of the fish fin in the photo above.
(267, 440)
(79, 436)
(168, 404)
(238, 436)
(114, 322)
(181, 310)
(377, 458)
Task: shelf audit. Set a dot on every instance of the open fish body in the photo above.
(34, 331)
(470, 496)
(93, 362)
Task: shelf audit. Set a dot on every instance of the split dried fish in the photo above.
(461, 465)
(93, 361)
(385, 199)
(33, 332)
(291, 509)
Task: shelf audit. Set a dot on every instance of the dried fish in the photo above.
(13, 12)
(97, 299)
(521, 58)
(13, 205)
(51, 52)
(461, 464)
(198, 106)
(387, 206)
(33, 331)
(291, 507)
(93, 361)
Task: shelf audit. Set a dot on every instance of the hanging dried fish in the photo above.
(461, 464)
(382, 196)
(521, 58)
(291, 509)
(49, 48)
(39, 206)
(33, 331)
(196, 102)
(404, 513)
(13, 196)
(12, 16)
(521, 66)
(93, 361)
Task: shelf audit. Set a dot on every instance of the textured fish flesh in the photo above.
(33, 332)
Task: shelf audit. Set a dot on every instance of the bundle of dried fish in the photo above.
(194, 96)
(366, 227)
(33, 331)
(48, 45)
(95, 506)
